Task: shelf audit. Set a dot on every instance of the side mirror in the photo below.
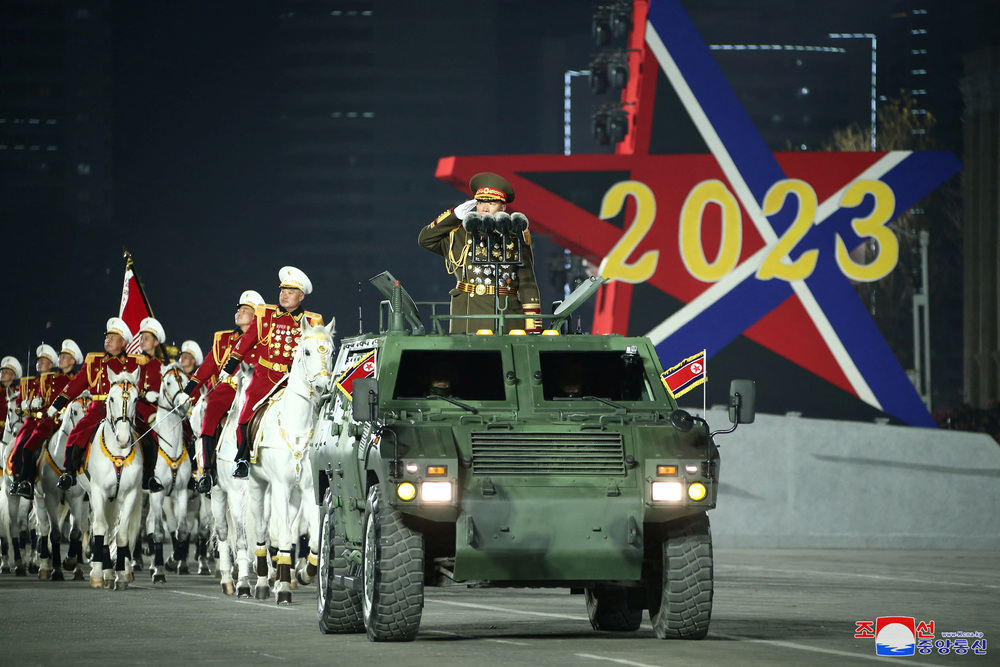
(742, 401)
(364, 399)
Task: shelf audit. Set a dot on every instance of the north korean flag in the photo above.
(364, 368)
(685, 376)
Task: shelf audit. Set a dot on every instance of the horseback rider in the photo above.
(93, 375)
(39, 425)
(190, 358)
(222, 395)
(151, 336)
(10, 370)
(275, 332)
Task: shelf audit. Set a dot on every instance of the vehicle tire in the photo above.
(681, 586)
(338, 609)
(613, 609)
(393, 580)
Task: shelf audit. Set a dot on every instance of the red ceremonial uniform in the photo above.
(93, 375)
(38, 426)
(220, 399)
(3, 406)
(275, 333)
(150, 379)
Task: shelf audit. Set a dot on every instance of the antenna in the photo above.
(361, 326)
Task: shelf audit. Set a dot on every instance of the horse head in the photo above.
(173, 383)
(74, 411)
(120, 404)
(314, 355)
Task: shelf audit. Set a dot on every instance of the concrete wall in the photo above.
(794, 482)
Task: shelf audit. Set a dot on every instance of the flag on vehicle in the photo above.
(686, 375)
(364, 368)
(134, 307)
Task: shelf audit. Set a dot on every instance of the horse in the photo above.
(282, 462)
(49, 498)
(169, 507)
(114, 470)
(13, 513)
(229, 498)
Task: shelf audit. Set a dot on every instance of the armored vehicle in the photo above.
(553, 460)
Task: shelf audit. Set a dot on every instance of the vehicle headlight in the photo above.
(697, 491)
(406, 491)
(667, 491)
(435, 492)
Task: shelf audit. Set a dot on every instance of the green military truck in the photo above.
(554, 460)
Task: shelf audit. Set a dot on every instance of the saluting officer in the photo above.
(223, 393)
(93, 376)
(151, 335)
(478, 284)
(275, 331)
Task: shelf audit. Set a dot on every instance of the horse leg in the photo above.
(282, 518)
(44, 530)
(262, 590)
(128, 527)
(154, 526)
(100, 556)
(307, 575)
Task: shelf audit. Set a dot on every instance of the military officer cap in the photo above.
(46, 351)
(252, 298)
(488, 186)
(116, 325)
(153, 326)
(69, 346)
(13, 364)
(292, 277)
(194, 350)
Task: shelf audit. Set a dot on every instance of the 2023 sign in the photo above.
(775, 263)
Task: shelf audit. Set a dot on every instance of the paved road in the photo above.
(772, 607)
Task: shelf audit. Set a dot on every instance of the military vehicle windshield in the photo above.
(461, 374)
(615, 376)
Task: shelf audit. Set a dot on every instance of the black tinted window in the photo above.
(465, 375)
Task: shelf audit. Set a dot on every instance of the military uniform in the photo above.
(14, 366)
(478, 284)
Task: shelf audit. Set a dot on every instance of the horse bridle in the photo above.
(125, 385)
(180, 390)
(323, 373)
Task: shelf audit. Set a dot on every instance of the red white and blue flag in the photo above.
(685, 376)
(364, 368)
(134, 307)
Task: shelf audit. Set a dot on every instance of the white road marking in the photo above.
(857, 575)
(828, 651)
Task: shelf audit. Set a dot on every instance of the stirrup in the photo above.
(205, 483)
(24, 490)
(66, 481)
(242, 469)
(154, 485)
(12, 489)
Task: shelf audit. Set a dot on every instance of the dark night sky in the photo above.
(193, 149)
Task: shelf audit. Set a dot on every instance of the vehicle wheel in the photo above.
(613, 609)
(393, 596)
(680, 587)
(339, 610)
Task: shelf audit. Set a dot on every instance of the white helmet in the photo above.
(153, 326)
(292, 277)
(251, 298)
(46, 351)
(69, 346)
(117, 325)
(13, 364)
(194, 350)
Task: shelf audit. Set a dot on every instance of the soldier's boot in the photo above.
(149, 453)
(242, 468)
(208, 479)
(17, 466)
(26, 489)
(73, 459)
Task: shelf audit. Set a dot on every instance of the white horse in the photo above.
(49, 500)
(169, 507)
(13, 512)
(114, 469)
(282, 462)
(229, 497)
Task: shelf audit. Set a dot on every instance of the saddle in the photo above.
(258, 417)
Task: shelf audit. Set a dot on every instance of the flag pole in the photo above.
(704, 386)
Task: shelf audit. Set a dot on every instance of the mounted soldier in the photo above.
(275, 332)
(151, 336)
(10, 371)
(39, 425)
(93, 376)
(220, 399)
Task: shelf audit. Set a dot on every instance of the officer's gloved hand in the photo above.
(36, 402)
(223, 374)
(51, 412)
(465, 209)
(182, 398)
(152, 396)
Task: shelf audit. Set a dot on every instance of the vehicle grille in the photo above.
(548, 454)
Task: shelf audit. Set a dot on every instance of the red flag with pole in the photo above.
(134, 307)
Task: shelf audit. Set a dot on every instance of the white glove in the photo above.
(51, 412)
(152, 396)
(465, 209)
(223, 375)
(36, 402)
(182, 398)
